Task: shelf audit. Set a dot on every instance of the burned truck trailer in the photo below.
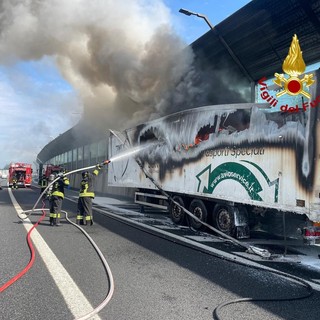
(234, 166)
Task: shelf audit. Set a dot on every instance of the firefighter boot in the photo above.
(58, 220)
(54, 221)
(51, 221)
(91, 221)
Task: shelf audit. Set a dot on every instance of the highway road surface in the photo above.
(158, 272)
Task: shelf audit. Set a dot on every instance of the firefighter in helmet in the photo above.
(15, 182)
(56, 198)
(86, 195)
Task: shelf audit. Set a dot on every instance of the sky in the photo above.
(63, 60)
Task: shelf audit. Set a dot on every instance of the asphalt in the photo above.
(292, 251)
(287, 252)
(155, 278)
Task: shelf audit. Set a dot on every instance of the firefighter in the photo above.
(43, 185)
(86, 194)
(14, 182)
(56, 198)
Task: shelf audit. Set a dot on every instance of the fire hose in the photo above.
(102, 258)
(25, 214)
(32, 252)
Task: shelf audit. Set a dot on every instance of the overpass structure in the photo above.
(231, 58)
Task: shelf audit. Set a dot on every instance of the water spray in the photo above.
(133, 150)
(25, 214)
(130, 152)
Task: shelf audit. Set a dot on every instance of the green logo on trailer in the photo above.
(241, 174)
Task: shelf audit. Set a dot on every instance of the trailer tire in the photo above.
(223, 219)
(197, 208)
(177, 214)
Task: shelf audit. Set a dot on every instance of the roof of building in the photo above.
(259, 35)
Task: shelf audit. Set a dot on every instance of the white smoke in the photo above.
(121, 57)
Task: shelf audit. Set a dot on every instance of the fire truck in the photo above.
(22, 172)
(52, 169)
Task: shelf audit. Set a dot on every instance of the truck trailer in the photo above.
(21, 172)
(238, 167)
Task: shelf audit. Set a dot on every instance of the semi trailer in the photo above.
(238, 167)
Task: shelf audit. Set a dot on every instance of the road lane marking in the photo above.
(73, 296)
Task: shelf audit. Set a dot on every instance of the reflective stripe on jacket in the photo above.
(44, 183)
(58, 187)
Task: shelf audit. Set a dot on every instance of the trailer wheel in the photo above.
(197, 208)
(223, 219)
(177, 213)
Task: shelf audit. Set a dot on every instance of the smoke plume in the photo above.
(122, 57)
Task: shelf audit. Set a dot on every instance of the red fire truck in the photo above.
(22, 172)
(52, 169)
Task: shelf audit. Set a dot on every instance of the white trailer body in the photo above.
(242, 154)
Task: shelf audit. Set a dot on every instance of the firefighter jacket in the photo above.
(58, 187)
(87, 184)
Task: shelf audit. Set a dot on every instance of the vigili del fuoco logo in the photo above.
(293, 66)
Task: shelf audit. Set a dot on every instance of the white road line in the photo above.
(74, 298)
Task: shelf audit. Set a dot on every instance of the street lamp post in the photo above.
(224, 43)
(189, 13)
